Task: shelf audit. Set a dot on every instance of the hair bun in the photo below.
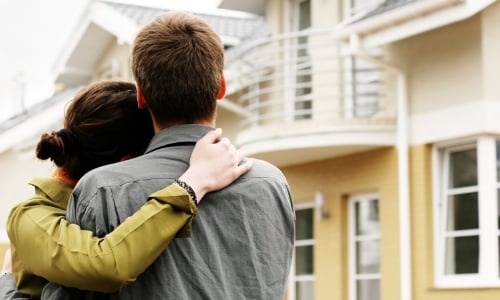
(55, 146)
(68, 138)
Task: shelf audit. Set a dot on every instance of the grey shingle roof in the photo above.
(386, 6)
(63, 96)
(232, 26)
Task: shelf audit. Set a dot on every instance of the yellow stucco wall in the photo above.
(373, 171)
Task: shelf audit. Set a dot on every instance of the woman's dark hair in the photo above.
(102, 125)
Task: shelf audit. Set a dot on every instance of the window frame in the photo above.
(293, 278)
(353, 276)
(487, 186)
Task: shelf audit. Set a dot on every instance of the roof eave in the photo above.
(410, 20)
(103, 16)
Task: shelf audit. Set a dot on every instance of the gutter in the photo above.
(402, 146)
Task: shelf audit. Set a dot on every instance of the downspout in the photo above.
(402, 147)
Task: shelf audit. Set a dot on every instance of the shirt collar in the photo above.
(54, 189)
(179, 134)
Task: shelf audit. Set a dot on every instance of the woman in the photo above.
(103, 125)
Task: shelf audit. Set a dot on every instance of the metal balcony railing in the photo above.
(302, 76)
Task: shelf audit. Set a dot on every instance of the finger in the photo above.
(225, 141)
(244, 167)
(212, 136)
(239, 157)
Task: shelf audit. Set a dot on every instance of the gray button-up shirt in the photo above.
(242, 239)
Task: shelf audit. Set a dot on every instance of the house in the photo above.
(383, 115)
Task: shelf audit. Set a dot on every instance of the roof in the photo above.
(239, 27)
(63, 96)
(386, 6)
(27, 126)
(109, 22)
(235, 27)
(394, 20)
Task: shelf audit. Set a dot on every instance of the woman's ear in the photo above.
(141, 101)
(222, 88)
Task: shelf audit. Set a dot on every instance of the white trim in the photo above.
(59, 65)
(353, 238)
(293, 278)
(411, 20)
(114, 22)
(482, 116)
(487, 175)
(488, 232)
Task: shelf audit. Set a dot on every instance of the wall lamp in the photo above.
(321, 211)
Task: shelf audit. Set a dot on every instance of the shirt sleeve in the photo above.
(73, 257)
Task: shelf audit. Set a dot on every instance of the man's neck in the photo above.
(158, 127)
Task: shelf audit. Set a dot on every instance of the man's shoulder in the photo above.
(111, 174)
(108, 176)
(262, 168)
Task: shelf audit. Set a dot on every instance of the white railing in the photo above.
(301, 76)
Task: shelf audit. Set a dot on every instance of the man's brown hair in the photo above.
(177, 62)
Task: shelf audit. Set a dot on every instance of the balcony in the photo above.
(298, 99)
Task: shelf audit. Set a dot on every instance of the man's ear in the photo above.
(222, 88)
(141, 101)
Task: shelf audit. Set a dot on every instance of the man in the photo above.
(242, 239)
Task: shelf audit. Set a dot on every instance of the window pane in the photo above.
(304, 224)
(463, 168)
(368, 289)
(303, 260)
(462, 255)
(304, 290)
(367, 217)
(368, 257)
(462, 212)
(305, 14)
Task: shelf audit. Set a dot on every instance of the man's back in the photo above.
(242, 238)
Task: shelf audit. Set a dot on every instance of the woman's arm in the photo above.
(67, 255)
(50, 247)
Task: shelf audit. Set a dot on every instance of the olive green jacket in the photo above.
(46, 247)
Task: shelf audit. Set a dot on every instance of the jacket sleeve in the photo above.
(73, 257)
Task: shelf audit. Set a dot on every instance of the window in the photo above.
(466, 214)
(301, 284)
(362, 86)
(364, 247)
(298, 58)
(303, 77)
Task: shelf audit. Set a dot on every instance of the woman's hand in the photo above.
(215, 163)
